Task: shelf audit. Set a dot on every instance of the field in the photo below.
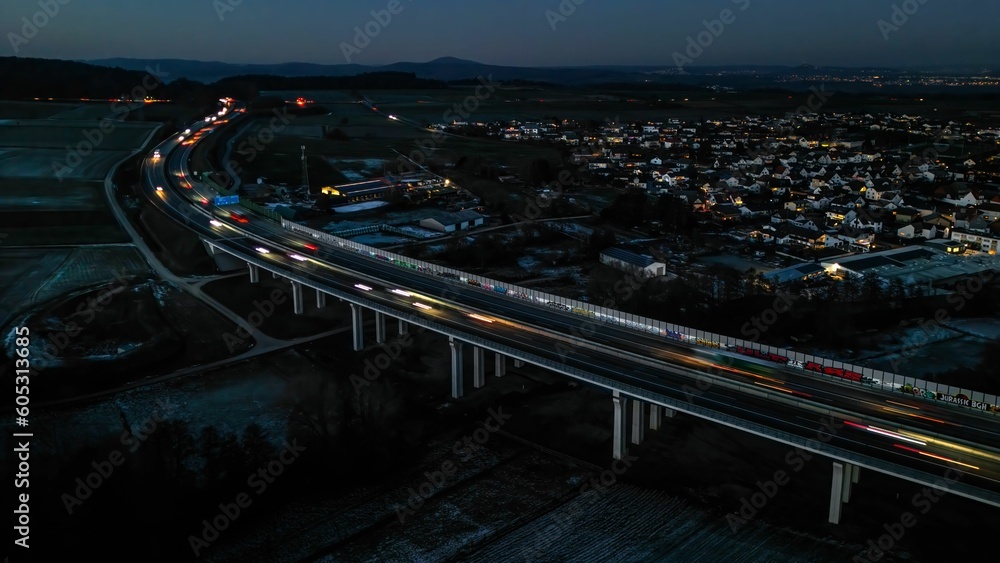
(51, 134)
(32, 110)
(29, 277)
(369, 136)
(47, 212)
(88, 111)
(52, 176)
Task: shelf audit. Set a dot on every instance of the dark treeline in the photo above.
(44, 78)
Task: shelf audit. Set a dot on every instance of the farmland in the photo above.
(55, 133)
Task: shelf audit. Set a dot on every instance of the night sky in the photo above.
(514, 32)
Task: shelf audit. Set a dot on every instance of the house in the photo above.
(726, 212)
(917, 230)
(907, 215)
(451, 222)
(640, 265)
(982, 242)
(958, 195)
(799, 236)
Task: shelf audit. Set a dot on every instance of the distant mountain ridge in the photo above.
(445, 68)
(448, 69)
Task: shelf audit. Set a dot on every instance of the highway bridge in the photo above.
(937, 436)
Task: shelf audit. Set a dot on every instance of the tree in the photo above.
(850, 287)
(872, 287)
(897, 289)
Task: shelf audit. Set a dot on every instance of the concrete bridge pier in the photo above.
(619, 448)
(501, 365)
(479, 367)
(274, 275)
(254, 273)
(638, 421)
(655, 414)
(457, 385)
(379, 327)
(320, 299)
(844, 476)
(404, 327)
(357, 327)
(297, 298)
(669, 412)
(518, 363)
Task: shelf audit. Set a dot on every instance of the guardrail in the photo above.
(732, 346)
(673, 400)
(786, 358)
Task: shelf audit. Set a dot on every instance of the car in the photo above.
(297, 257)
(156, 153)
(870, 380)
(159, 188)
(262, 250)
(238, 217)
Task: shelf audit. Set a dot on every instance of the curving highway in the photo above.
(914, 439)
